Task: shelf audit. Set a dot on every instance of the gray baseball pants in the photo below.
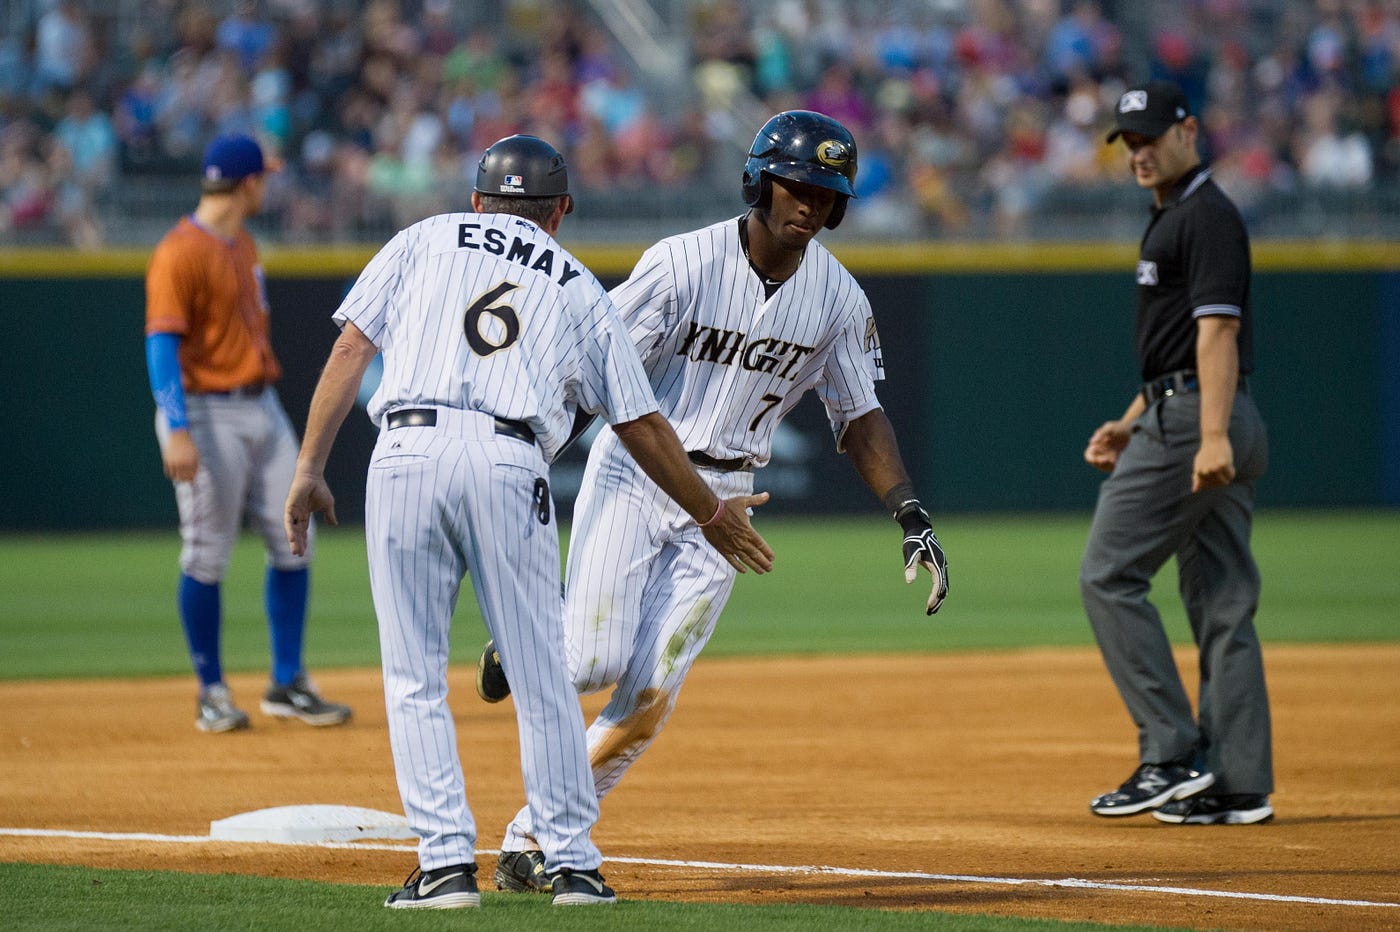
(1147, 513)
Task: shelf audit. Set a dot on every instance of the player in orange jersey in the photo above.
(225, 440)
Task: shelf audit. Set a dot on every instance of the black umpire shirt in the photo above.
(1193, 262)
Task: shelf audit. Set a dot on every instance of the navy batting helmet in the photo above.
(807, 147)
(523, 166)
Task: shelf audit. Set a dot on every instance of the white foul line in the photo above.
(1071, 882)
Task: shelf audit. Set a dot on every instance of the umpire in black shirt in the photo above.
(1182, 461)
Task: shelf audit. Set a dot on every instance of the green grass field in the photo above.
(103, 605)
(83, 899)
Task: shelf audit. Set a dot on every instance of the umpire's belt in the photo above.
(1180, 382)
(428, 417)
(701, 458)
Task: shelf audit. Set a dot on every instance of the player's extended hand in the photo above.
(180, 457)
(308, 495)
(733, 535)
(921, 548)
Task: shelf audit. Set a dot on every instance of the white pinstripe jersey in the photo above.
(727, 364)
(487, 312)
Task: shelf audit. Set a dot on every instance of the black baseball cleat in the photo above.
(580, 888)
(443, 888)
(1150, 786)
(1239, 809)
(300, 700)
(491, 682)
(522, 872)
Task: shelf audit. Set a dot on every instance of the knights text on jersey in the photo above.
(487, 312)
(727, 364)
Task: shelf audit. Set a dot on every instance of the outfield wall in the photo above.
(1000, 361)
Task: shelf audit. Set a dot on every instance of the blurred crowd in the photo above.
(970, 114)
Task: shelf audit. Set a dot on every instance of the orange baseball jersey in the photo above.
(210, 292)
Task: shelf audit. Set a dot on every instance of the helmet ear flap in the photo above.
(838, 211)
(755, 185)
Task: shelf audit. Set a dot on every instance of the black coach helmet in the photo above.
(523, 166)
(803, 146)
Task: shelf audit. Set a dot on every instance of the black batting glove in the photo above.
(921, 548)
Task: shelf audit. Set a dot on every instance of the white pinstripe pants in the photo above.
(441, 502)
(645, 590)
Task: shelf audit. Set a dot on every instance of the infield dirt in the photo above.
(950, 764)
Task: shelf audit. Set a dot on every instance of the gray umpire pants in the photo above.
(1147, 513)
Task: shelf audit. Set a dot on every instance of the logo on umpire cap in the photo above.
(833, 152)
(1132, 100)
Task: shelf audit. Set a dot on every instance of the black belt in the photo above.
(427, 417)
(701, 458)
(1180, 382)
(242, 391)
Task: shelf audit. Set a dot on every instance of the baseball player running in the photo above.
(224, 439)
(492, 336)
(734, 322)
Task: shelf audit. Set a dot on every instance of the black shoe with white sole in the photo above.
(443, 888)
(1239, 809)
(522, 872)
(491, 683)
(300, 699)
(580, 888)
(1150, 786)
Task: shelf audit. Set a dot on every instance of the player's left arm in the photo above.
(335, 394)
(870, 444)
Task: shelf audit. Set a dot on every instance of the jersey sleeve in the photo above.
(847, 383)
(1217, 262)
(367, 303)
(646, 301)
(172, 279)
(612, 380)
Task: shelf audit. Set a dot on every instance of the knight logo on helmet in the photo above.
(806, 147)
(834, 153)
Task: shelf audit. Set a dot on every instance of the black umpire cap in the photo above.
(1150, 109)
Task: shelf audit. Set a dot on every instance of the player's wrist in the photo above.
(912, 517)
(897, 497)
(906, 509)
(719, 513)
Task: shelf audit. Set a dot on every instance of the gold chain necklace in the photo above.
(744, 245)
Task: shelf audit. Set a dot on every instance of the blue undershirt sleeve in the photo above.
(163, 366)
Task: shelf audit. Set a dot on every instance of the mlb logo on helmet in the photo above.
(513, 184)
(515, 181)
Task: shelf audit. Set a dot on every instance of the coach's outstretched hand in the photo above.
(656, 448)
(308, 495)
(733, 535)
